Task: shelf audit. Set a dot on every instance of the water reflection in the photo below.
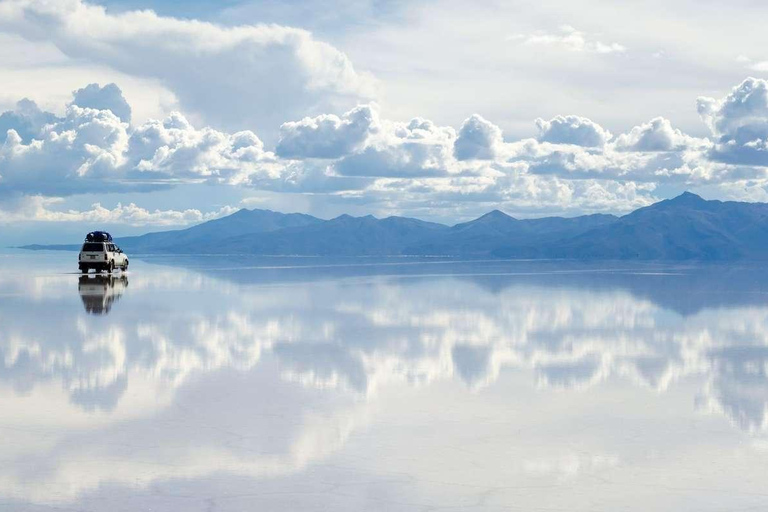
(197, 376)
(99, 292)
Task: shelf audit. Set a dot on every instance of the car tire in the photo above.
(125, 267)
(83, 270)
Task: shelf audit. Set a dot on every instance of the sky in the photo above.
(145, 115)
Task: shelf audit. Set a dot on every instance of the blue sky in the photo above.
(138, 115)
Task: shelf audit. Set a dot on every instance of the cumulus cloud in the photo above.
(37, 208)
(417, 148)
(405, 160)
(173, 148)
(572, 130)
(237, 78)
(684, 167)
(655, 135)
(27, 120)
(91, 150)
(109, 97)
(389, 167)
(84, 150)
(739, 123)
(569, 39)
(327, 136)
(478, 139)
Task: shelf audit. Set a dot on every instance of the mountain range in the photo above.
(686, 227)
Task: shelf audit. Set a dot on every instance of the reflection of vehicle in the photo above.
(99, 292)
(101, 254)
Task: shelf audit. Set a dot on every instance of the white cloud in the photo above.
(739, 123)
(174, 149)
(91, 150)
(655, 135)
(109, 97)
(82, 151)
(27, 120)
(382, 166)
(239, 77)
(410, 159)
(328, 136)
(570, 39)
(683, 167)
(417, 148)
(478, 139)
(572, 130)
(39, 209)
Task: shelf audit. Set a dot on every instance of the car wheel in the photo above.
(111, 267)
(125, 267)
(84, 270)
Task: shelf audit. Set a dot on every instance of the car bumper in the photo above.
(96, 266)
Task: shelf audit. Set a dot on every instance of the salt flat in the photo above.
(382, 384)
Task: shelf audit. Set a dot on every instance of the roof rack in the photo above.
(98, 236)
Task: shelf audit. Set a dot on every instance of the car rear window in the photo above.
(93, 247)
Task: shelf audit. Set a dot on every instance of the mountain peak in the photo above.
(496, 215)
(494, 220)
(688, 198)
(345, 217)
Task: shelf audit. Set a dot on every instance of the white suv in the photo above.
(101, 256)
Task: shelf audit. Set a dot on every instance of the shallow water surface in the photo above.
(299, 384)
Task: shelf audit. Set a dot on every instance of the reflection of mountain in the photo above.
(99, 292)
(683, 288)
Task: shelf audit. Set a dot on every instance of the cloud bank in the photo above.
(38, 209)
(413, 167)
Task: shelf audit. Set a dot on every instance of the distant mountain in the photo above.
(341, 236)
(210, 234)
(684, 228)
(496, 232)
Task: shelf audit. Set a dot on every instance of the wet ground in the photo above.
(214, 384)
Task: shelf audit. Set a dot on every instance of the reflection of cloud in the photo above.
(152, 385)
(204, 433)
(330, 336)
(739, 386)
(573, 374)
(472, 363)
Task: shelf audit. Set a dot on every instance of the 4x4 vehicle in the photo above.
(101, 254)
